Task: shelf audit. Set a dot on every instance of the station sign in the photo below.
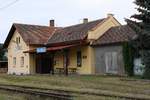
(41, 50)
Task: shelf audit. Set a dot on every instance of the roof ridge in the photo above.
(59, 27)
(120, 26)
(30, 24)
(83, 23)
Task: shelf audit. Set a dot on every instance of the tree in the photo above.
(128, 58)
(2, 53)
(141, 25)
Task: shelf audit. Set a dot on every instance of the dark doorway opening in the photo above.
(44, 63)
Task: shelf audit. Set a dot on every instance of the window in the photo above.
(18, 40)
(56, 60)
(14, 61)
(22, 61)
(79, 59)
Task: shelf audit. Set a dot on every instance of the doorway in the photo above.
(43, 63)
(111, 62)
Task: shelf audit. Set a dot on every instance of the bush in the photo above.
(128, 56)
(146, 61)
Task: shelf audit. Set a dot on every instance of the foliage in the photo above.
(2, 53)
(128, 59)
(142, 27)
(146, 61)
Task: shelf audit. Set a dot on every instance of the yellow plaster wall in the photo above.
(13, 52)
(87, 63)
(58, 59)
(73, 58)
(32, 59)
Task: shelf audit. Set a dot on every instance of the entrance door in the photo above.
(43, 64)
(111, 62)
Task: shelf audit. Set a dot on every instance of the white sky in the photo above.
(65, 12)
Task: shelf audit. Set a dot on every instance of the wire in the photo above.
(8, 5)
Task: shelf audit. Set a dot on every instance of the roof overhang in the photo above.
(61, 47)
(55, 48)
(10, 34)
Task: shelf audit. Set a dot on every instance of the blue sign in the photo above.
(41, 50)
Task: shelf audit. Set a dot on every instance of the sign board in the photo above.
(41, 50)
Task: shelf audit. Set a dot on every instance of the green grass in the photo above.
(91, 84)
(7, 95)
(4, 95)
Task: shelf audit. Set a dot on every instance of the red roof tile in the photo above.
(116, 35)
(31, 34)
(73, 33)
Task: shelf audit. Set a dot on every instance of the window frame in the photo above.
(17, 40)
(22, 61)
(79, 58)
(14, 61)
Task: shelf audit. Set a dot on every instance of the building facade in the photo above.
(88, 48)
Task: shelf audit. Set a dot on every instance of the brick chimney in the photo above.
(85, 20)
(52, 23)
(110, 15)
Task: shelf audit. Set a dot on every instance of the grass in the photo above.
(4, 95)
(91, 84)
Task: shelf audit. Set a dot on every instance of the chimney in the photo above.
(85, 20)
(110, 15)
(52, 23)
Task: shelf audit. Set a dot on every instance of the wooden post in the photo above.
(40, 63)
(52, 59)
(66, 61)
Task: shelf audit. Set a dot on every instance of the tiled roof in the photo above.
(31, 34)
(116, 35)
(35, 34)
(73, 33)
(41, 35)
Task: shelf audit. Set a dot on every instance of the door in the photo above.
(38, 63)
(46, 64)
(43, 64)
(111, 62)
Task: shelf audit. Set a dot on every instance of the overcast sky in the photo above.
(65, 12)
